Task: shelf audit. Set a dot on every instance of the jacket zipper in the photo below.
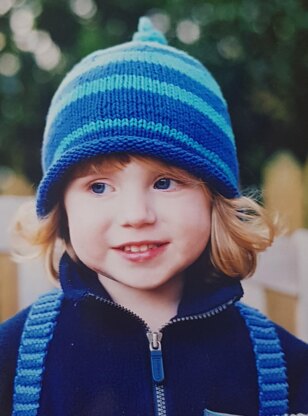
(158, 374)
(155, 338)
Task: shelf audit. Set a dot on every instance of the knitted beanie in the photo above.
(141, 97)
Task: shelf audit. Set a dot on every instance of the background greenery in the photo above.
(256, 49)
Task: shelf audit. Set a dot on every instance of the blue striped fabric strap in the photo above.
(270, 363)
(37, 333)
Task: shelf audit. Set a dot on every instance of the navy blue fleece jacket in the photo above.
(98, 361)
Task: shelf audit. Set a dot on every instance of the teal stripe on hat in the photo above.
(124, 56)
(101, 125)
(118, 82)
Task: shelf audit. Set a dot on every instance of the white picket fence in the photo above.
(282, 268)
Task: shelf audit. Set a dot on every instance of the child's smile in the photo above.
(135, 225)
(139, 251)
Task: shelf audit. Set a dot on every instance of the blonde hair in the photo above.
(240, 228)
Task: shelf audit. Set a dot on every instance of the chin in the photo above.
(141, 284)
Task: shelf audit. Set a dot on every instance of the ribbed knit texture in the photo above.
(270, 362)
(141, 97)
(36, 336)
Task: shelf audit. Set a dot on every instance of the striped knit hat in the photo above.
(141, 97)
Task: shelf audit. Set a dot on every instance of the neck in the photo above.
(155, 306)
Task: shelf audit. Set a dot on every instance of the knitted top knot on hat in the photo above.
(141, 97)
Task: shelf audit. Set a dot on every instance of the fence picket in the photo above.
(283, 190)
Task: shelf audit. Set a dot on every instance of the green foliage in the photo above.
(257, 50)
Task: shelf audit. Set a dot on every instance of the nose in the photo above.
(136, 210)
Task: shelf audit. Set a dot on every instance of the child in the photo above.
(140, 195)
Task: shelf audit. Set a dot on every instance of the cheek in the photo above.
(85, 225)
(196, 227)
(79, 232)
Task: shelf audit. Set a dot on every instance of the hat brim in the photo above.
(49, 189)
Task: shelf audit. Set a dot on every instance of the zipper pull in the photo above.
(157, 365)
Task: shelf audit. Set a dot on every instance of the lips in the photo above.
(143, 252)
(136, 246)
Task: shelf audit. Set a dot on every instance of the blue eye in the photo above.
(98, 187)
(164, 183)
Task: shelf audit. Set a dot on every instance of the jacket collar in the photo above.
(199, 296)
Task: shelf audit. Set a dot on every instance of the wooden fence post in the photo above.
(283, 190)
(284, 194)
(8, 287)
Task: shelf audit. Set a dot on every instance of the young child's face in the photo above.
(136, 225)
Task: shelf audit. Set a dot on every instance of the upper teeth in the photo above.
(143, 247)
